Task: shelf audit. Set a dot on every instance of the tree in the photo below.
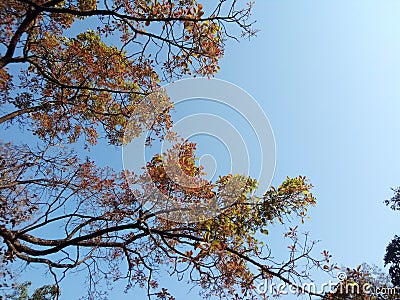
(46, 292)
(392, 256)
(364, 283)
(72, 72)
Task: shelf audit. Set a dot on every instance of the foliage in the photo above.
(75, 71)
(21, 292)
(364, 283)
(392, 256)
(394, 202)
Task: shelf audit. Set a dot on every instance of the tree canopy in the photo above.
(73, 72)
(392, 256)
(21, 292)
(365, 282)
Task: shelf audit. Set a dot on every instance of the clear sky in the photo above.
(327, 74)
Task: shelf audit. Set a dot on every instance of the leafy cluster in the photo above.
(46, 292)
(365, 282)
(392, 256)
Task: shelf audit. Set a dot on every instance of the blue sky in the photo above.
(327, 74)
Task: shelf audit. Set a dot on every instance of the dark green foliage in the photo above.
(21, 292)
(392, 258)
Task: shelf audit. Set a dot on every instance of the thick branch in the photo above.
(30, 17)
